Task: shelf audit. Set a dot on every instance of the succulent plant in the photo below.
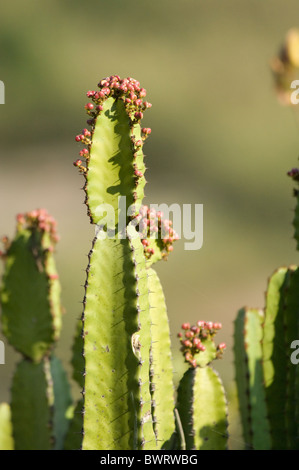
(122, 349)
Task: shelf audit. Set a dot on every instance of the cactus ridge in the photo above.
(275, 360)
(162, 388)
(242, 377)
(291, 316)
(250, 378)
(144, 340)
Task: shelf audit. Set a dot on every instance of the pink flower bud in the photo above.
(83, 153)
(138, 115)
(89, 106)
(86, 133)
(146, 130)
(189, 334)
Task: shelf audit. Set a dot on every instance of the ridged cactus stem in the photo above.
(117, 342)
(31, 320)
(161, 368)
(250, 380)
(201, 400)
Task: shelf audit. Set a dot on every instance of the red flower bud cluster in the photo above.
(39, 220)
(192, 341)
(152, 225)
(129, 91)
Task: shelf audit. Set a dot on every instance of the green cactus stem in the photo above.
(31, 317)
(274, 355)
(280, 329)
(249, 378)
(30, 291)
(294, 174)
(113, 155)
(6, 438)
(161, 368)
(78, 362)
(73, 439)
(111, 406)
(291, 329)
(118, 394)
(266, 378)
(201, 401)
(61, 404)
(142, 341)
(31, 407)
(113, 168)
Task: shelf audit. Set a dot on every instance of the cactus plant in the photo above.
(266, 378)
(122, 349)
(31, 319)
(201, 400)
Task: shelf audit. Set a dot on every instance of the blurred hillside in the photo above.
(219, 138)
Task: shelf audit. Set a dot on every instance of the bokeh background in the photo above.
(219, 138)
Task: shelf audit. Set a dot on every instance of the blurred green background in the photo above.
(219, 138)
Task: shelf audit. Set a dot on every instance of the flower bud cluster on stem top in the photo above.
(196, 338)
(39, 220)
(152, 226)
(129, 91)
